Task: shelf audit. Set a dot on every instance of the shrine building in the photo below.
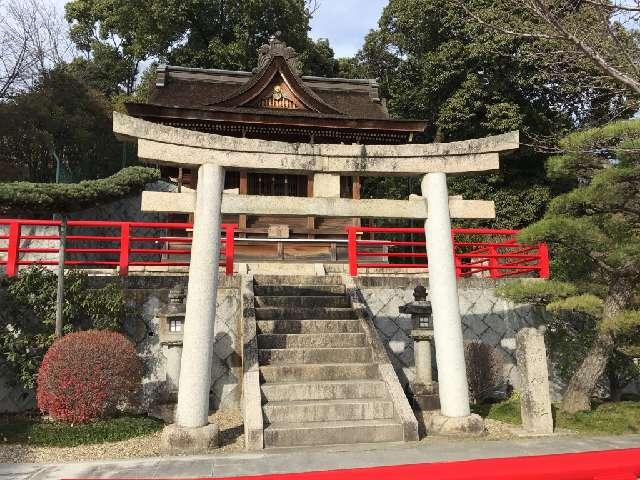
(276, 103)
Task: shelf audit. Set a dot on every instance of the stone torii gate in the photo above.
(213, 154)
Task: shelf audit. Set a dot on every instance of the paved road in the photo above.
(328, 458)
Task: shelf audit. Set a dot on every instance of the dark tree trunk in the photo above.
(583, 382)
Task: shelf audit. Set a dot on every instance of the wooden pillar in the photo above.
(311, 221)
(356, 189)
(243, 190)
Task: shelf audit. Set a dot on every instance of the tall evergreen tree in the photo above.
(118, 35)
(436, 63)
(60, 116)
(594, 235)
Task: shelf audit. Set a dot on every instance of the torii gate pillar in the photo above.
(443, 293)
(192, 430)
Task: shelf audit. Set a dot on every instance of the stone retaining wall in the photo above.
(485, 317)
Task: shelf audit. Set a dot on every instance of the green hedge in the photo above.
(38, 198)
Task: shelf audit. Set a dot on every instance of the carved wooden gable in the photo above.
(277, 85)
(279, 95)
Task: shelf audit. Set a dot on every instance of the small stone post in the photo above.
(192, 432)
(443, 292)
(535, 399)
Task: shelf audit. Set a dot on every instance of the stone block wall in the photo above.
(485, 317)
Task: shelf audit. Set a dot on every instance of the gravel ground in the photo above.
(231, 440)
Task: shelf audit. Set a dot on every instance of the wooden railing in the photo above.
(103, 244)
(477, 251)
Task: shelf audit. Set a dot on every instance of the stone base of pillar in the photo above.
(437, 424)
(177, 439)
(425, 397)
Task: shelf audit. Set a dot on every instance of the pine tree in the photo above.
(593, 231)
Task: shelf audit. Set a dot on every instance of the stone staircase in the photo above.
(319, 380)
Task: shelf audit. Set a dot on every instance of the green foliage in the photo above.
(627, 322)
(194, 33)
(626, 327)
(586, 303)
(60, 115)
(507, 411)
(587, 152)
(25, 197)
(435, 63)
(568, 337)
(592, 232)
(538, 292)
(27, 315)
(43, 433)
(606, 418)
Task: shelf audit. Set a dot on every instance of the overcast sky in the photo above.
(344, 22)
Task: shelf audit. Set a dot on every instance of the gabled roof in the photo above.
(202, 88)
(273, 100)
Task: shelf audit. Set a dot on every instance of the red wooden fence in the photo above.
(121, 245)
(117, 245)
(477, 251)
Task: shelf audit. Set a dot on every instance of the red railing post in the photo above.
(13, 249)
(543, 252)
(456, 259)
(493, 262)
(229, 248)
(125, 246)
(353, 251)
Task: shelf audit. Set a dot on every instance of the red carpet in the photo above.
(604, 465)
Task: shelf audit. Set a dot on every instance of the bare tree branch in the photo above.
(597, 58)
(33, 38)
(616, 57)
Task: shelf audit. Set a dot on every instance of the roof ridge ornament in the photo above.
(277, 48)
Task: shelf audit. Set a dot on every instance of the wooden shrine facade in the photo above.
(276, 103)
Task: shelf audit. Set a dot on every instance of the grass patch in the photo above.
(611, 418)
(507, 411)
(604, 418)
(38, 432)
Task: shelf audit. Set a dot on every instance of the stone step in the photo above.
(308, 290)
(297, 280)
(327, 410)
(321, 313)
(318, 371)
(332, 433)
(314, 355)
(309, 326)
(302, 301)
(311, 340)
(323, 390)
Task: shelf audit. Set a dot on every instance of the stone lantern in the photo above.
(424, 389)
(171, 331)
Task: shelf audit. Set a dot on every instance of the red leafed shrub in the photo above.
(86, 375)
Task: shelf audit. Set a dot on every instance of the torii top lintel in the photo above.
(179, 147)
